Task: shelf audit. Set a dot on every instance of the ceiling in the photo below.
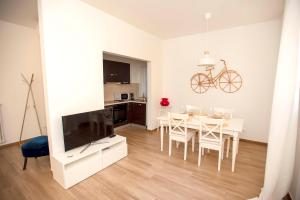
(174, 18)
(22, 12)
(163, 18)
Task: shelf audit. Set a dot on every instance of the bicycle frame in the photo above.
(227, 80)
(213, 80)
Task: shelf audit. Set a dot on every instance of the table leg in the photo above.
(161, 137)
(234, 152)
(237, 147)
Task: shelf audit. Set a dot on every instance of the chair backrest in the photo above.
(211, 130)
(192, 109)
(224, 112)
(164, 110)
(177, 124)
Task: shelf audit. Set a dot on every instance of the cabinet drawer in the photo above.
(113, 154)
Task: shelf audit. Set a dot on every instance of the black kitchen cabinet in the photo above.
(128, 113)
(138, 113)
(116, 72)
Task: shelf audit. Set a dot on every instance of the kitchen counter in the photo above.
(110, 103)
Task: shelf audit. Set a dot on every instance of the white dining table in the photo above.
(232, 127)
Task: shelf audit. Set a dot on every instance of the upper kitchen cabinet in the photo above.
(116, 72)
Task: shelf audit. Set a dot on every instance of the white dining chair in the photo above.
(163, 112)
(211, 137)
(223, 112)
(226, 114)
(179, 132)
(192, 109)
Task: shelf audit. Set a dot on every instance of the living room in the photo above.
(72, 40)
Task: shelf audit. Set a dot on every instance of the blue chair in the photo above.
(36, 147)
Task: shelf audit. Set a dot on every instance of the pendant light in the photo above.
(206, 60)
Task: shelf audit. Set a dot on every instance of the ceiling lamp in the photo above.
(206, 60)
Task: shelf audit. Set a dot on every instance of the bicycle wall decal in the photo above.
(228, 80)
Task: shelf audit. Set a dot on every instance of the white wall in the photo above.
(73, 38)
(251, 50)
(20, 53)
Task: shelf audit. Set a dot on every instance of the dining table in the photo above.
(232, 127)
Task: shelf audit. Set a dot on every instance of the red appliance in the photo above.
(164, 102)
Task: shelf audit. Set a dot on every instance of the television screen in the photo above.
(84, 128)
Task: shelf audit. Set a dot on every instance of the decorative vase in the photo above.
(164, 102)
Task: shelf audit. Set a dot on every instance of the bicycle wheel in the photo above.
(200, 83)
(230, 81)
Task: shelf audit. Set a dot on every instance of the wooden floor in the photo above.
(146, 173)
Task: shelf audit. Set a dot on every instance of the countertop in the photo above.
(109, 103)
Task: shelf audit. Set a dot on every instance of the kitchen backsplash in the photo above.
(110, 89)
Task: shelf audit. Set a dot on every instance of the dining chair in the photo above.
(226, 114)
(163, 111)
(192, 109)
(179, 132)
(211, 137)
(223, 112)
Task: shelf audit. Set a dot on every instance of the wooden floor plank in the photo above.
(146, 173)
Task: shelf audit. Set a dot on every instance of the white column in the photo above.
(284, 117)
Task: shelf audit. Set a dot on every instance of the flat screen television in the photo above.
(85, 128)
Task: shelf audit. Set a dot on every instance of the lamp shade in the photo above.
(206, 60)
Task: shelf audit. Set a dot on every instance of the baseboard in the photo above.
(13, 144)
(254, 142)
(139, 126)
(129, 125)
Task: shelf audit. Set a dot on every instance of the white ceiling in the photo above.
(22, 12)
(173, 18)
(163, 18)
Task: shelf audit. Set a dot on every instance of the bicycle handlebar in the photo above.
(223, 61)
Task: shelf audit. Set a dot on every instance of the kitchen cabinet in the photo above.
(116, 72)
(137, 113)
(125, 113)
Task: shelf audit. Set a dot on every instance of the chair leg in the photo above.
(185, 149)
(161, 138)
(199, 156)
(170, 147)
(25, 163)
(237, 149)
(223, 151)
(202, 151)
(228, 147)
(219, 160)
(193, 143)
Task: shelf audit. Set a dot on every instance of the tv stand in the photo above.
(85, 148)
(71, 167)
(93, 143)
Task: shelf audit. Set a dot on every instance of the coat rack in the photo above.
(29, 93)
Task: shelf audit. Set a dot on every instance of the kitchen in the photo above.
(125, 89)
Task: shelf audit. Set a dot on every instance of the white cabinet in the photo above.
(71, 167)
(114, 153)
